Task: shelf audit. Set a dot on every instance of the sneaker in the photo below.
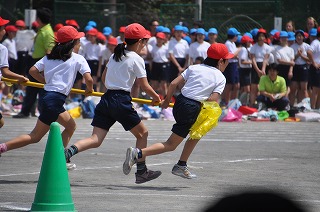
(20, 116)
(131, 159)
(147, 176)
(182, 171)
(71, 166)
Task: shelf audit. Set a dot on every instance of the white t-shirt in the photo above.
(159, 54)
(285, 53)
(121, 75)
(152, 41)
(244, 55)
(202, 81)
(260, 51)
(11, 46)
(304, 47)
(3, 56)
(24, 40)
(315, 49)
(60, 75)
(105, 55)
(92, 51)
(179, 49)
(198, 50)
(232, 49)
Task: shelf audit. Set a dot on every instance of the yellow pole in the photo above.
(74, 90)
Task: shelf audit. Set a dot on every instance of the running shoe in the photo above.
(147, 176)
(183, 172)
(131, 159)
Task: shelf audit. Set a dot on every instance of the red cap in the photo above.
(68, 33)
(101, 36)
(276, 36)
(219, 51)
(57, 27)
(122, 29)
(20, 23)
(3, 21)
(161, 35)
(261, 30)
(306, 35)
(136, 31)
(73, 23)
(93, 32)
(11, 28)
(318, 29)
(246, 39)
(35, 24)
(113, 41)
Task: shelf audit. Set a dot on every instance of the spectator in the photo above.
(273, 90)
(43, 44)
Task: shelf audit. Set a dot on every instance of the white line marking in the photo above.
(8, 175)
(250, 159)
(12, 207)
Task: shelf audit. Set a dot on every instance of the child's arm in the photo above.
(172, 88)
(89, 83)
(34, 72)
(214, 97)
(143, 82)
(9, 74)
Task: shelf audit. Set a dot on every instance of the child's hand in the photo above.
(23, 79)
(164, 104)
(88, 92)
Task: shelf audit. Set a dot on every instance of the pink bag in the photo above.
(233, 115)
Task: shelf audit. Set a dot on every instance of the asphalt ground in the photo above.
(232, 158)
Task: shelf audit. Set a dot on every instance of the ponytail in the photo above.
(62, 51)
(119, 50)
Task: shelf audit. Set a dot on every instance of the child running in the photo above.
(59, 69)
(203, 82)
(124, 66)
(4, 65)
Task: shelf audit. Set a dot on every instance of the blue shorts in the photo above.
(185, 112)
(232, 73)
(51, 104)
(300, 73)
(160, 71)
(314, 77)
(115, 105)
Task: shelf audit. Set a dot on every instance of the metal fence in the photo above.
(104, 14)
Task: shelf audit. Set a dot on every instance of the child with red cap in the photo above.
(61, 63)
(203, 82)
(4, 63)
(124, 67)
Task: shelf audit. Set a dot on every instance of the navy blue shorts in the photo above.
(94, 66)
(115, 105)
(173, 73)
(160, 71)
(283, 71)
(51, 104)
(300, 73)
(232, 73)
(245, 76)
(314, 77)
(185, 112)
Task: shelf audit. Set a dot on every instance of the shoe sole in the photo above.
(126, 168)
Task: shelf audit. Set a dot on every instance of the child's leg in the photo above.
(94, 141)
(1, 121)
(69, 127)
(35, 136)
(188, 148)
(170, 145)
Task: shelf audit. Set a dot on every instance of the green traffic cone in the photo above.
(53, 190)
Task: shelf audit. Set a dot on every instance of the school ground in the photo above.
(234, 157)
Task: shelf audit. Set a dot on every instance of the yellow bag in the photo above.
(75, 112)
(207, 119)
